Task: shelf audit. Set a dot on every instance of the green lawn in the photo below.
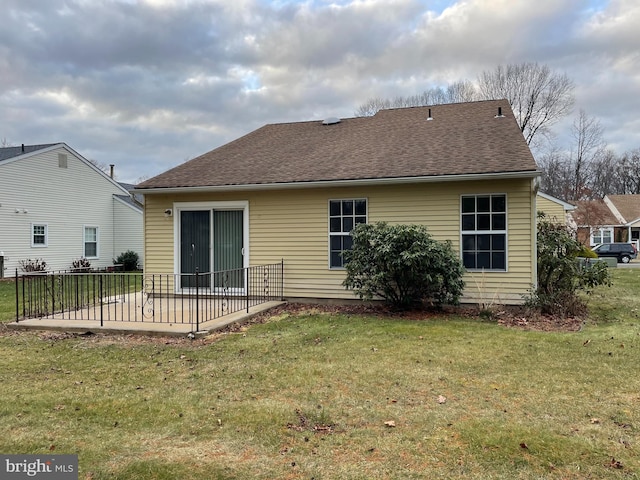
(333, 396)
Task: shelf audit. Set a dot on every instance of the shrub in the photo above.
(586, 252)
(35, 265)
(403, 265)
(129, 261)
(81, 265)
(560, 276)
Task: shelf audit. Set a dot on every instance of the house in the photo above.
(614, 218)
(293, 191)
(57, 206)
(554, 209)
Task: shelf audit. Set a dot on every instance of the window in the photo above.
(344, 215)
(601, 235)
(90, 242)
(484, 232)
(38, 235)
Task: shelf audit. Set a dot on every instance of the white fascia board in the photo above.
(567, 206)
(633, 223)
(72, 152)
(614, 210)
(127, 204)
(344, 183)
(31, 154)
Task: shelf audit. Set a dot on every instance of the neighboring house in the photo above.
(57, 206)
(555, 210)
(615, 218)
(294, 191)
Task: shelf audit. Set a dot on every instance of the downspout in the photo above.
(535, 186)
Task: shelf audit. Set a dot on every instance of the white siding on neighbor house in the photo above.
(37, 190)
(127, 232)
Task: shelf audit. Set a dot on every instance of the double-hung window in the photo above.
(484, 231)
(90, 242)
(344, 215)
(601, 235)
(39, 235)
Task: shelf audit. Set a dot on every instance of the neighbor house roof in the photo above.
(462, 140)
(11, 152)
(627, 206)
(593, 213)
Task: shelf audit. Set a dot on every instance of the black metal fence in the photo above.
(137, 297)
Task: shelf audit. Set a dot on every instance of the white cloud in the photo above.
(150, 83)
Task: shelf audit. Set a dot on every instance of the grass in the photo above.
(315, 395)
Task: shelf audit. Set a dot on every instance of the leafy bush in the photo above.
(586, 252)
(560, 275)
(129, 261)
(35, 265)
(81, 265)
(403, 265)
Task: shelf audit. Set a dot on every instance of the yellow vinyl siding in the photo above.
(293, 225)
(553, 211)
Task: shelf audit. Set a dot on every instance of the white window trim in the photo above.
(486, 232)
(84, 242)
(330, 234)
(46, 235)
(177, 207)
(600, 231)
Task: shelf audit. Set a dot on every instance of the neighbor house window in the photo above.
(601, 235)
(484, 232)
(38, 235)
(344, 215)
(62, 160)
(90, 242)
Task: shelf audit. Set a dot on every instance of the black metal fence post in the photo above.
(282, 279)
(101, 298)
(17, 299)
(197, 300)
(246, 286)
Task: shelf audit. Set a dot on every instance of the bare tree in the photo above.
(589, 146)
(538, 97)
(603, 175)
(628, 172)
(556, 172)
(372, 106)
(461, 91)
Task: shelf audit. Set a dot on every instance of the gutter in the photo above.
(342, 183)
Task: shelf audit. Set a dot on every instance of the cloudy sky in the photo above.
(148, 84)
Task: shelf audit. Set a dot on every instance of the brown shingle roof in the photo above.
(627, 205)
(593, 213)
(462, 139)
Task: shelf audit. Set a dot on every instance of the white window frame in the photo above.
(342, 233)
(214, 205)
(85, 228)
(600, 232)
(491, 231)
(45, 234)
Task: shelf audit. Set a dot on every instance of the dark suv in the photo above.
(624, 252)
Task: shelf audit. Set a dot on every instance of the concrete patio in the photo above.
(84, 321)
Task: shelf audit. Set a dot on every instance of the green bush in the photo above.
(586, 252)
(560, 276)
(129, 261)
(403, 265)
